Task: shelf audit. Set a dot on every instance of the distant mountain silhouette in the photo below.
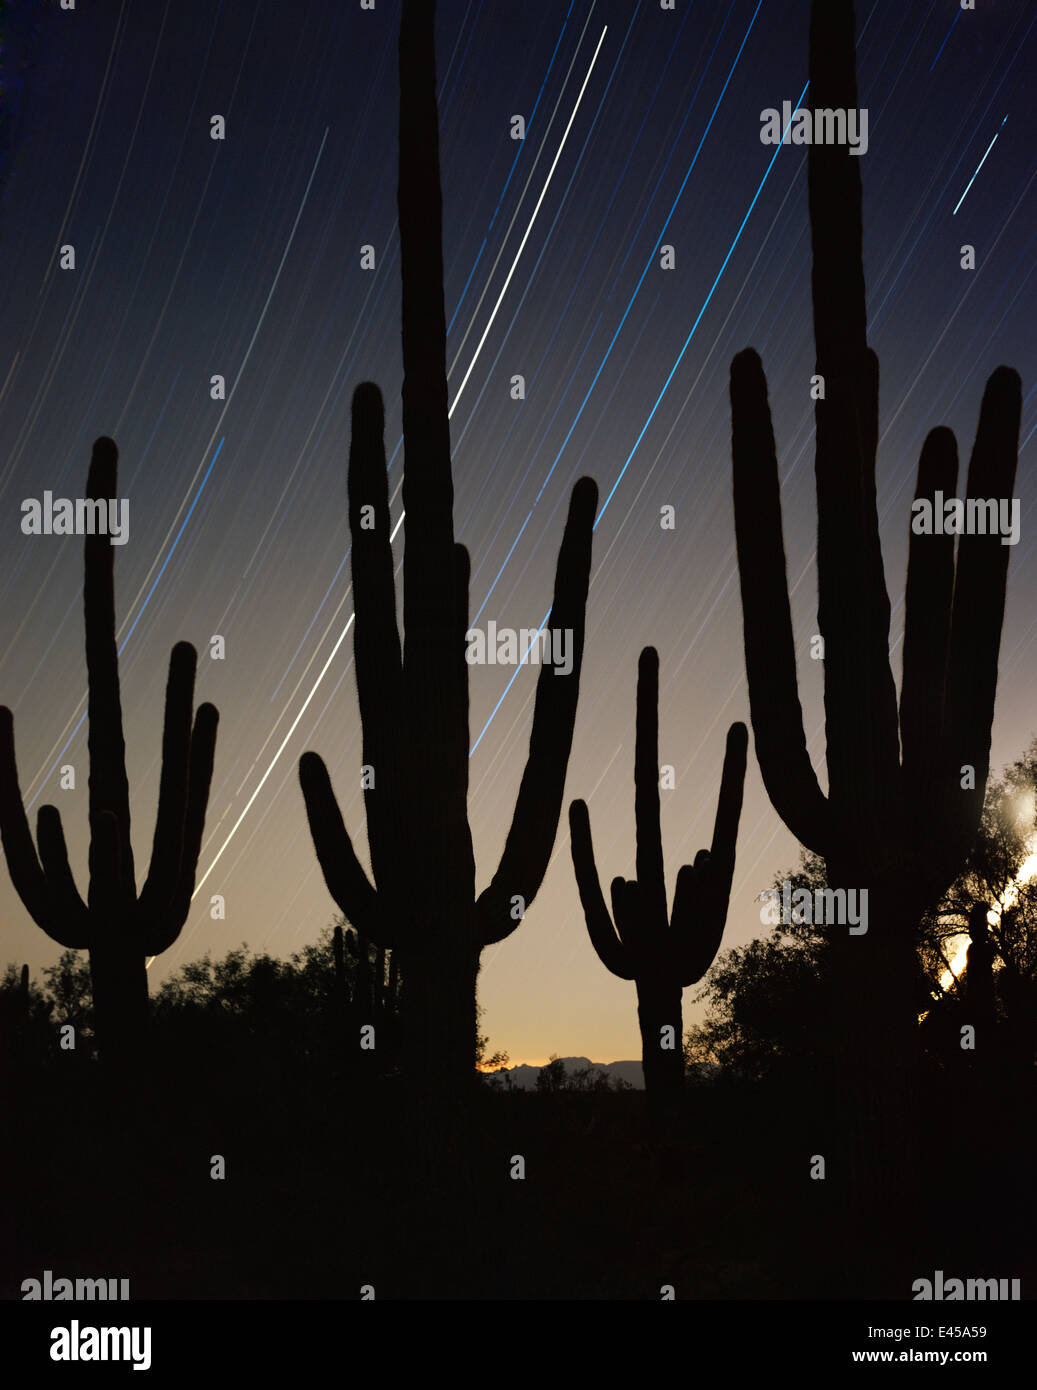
(524, 1077)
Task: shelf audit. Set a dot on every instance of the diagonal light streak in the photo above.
(522, 243)
(273, 762)
(979, 166)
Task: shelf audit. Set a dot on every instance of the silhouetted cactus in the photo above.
(662, 957)
(118, 928)
(372, 991)
(414, 705)
(905, 791)
(900, 813)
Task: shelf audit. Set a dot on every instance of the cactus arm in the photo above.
(377, 638)
(167, 845)
(376, 643)
(26, 873)
(702, 894)
(729, 802)
(69, 907)
(651, 874)
(109, 788)
(770, 659)
(930, 782)
(927, 608)
(686, 897)
(32, 884)
(534, 824)
(199, 781)
(980, 579)
(612, 954)
(161, 927)
(343, 873)
(630, 923)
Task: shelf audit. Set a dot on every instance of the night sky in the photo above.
(242, 257)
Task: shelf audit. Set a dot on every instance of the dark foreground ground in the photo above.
(333, 1182)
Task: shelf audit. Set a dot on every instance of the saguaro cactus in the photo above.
(662, 957)
(905, 794)
(371, 989)
(414, 703)
(119, 928)
(905, 788)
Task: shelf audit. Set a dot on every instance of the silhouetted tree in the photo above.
(551, 1076)
(27, 1036)
(998, 882)
(661, 956)
(118, 928)
(554, 1077)
(482, 1042)
(70, 991)
(414, 701)
(767, 1008)
(768, 1001)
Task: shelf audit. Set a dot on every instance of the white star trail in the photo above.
(979, 166)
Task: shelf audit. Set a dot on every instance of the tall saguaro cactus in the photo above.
(414, 699)
(905, 793)
(119, 928)
(905, 787)
(662, 956)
